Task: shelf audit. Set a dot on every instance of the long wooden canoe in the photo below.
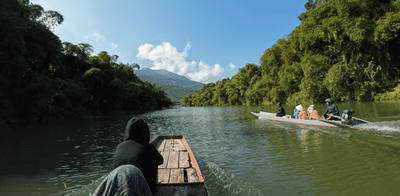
(180, 173)
(327, 123)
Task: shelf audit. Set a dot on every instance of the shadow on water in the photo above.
(49, 155)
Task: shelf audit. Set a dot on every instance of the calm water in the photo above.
(238, 153)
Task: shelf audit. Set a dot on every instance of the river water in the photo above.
(238, 153)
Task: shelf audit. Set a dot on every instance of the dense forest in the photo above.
(176, 92)
(42, 76)
(347, 50)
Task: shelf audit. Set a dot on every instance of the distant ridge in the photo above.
(174, 85)
(164, 76)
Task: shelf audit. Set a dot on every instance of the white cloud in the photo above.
(232, 66)
(114, 45)
(96, 36)
(167, 57)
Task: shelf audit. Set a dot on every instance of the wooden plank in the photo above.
(161, 144)
(165, 155)
(174, 145)
(192, 176)
(176, 176)
(361, 120)
(169, 144)
(179, 146)
(173, 161)
(163, 175)
(352, 117)
(183, 159)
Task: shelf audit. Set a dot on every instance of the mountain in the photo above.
(174, 85)
(164, 76)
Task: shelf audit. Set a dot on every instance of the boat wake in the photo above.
(390, 126)
(221, 182)
(87, 189)
(218, 182)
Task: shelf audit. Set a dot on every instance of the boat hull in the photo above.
(271, 116)
(180, 173)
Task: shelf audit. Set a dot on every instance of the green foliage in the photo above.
(175, 92)
(344, 49)
(42, 76)
(391, 94)
(226, 91)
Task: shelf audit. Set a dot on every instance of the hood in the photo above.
(137, 130)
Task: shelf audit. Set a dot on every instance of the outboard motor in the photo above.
(347, 114)
(347, 117)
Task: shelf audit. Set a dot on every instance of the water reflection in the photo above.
(239, 153)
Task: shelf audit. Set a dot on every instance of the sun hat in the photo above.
(300, 107)
(311, 107)
(328, 100)
(279, 104)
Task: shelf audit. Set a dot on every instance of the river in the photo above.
(238, 153)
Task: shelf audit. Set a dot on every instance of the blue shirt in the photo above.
(296, 113)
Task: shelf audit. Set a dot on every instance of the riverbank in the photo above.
(392, 95)
(78, 114)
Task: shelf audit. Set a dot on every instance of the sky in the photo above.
(205, 41)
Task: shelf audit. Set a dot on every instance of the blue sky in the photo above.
(203, 40)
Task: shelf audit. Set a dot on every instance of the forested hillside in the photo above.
(176, 92)
(174, 85)
(42, 76)
(166, 77)
(347, 50)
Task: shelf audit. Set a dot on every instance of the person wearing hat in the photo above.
(331, 108)
(303, 113)
(313, 113)
(281, 110)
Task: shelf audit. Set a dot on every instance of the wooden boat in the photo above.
(288, 118)
(180, 173)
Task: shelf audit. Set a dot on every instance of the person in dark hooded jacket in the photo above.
(136, 150)
(281, 111)
(331, 108)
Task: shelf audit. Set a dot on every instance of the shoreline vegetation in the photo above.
(345, 50)
(45, 78)
(391, 95)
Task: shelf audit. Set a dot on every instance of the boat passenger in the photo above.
(281, 110)
(331, 108)
(124, 180)
(313, 113)
(296, 111)
(302, 112)
(136, 150)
